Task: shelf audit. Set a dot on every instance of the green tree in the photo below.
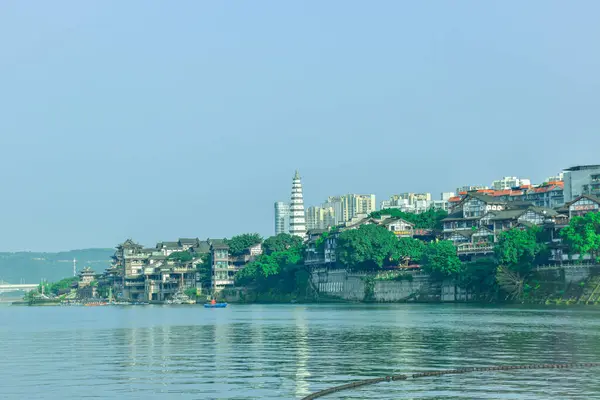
(238, 244)
(281, 272)
(204, 269)
(440, 260)
(519, 249)
(409, 249)
(191, 292)
(368, 247)
(281, 242)
(181, 256)
(480, 275)
(582, 235)
(63, 284)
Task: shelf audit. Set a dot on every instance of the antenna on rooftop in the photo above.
(74, 267)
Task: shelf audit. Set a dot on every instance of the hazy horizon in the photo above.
(155, 121)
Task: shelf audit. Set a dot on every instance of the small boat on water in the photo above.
(215, 305)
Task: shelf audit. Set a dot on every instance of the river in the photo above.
(289, 351)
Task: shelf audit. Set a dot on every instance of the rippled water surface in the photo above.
(289, 351)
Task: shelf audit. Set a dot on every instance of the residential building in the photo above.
(395, 203)
(440, 205)
(336, 204)
(297, 217)
(466, 189)
(350, 205)
(555, 178)
(397, 226)
(223, 271)
(479, 218)
(582, 205)
(150, 274)
(447, 195)
(319, 217)
(282, 217)
(550, 194)
(582, 179)
(409, 202)
(509, 182)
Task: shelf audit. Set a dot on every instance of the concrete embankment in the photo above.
(551, 285)
(385, 287)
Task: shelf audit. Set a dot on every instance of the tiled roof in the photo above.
(544, 211)
(507, 214)
(188, 241)
(584, 196)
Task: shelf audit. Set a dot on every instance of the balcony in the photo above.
(224, 268)
(311, 258)
(183, 270)
(223, 282)
(470, 248)
(135, 283)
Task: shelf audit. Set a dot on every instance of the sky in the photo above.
(155, 120)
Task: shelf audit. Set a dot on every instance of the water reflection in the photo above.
(274, 352)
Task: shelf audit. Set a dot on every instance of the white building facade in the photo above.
(282, 217)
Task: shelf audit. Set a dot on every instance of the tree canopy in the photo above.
(409, 249)
(518, 249)
(281, 242)
(368, 247)
(582, 235)
(440, 260)
(271, 270)
(204, 270)
(480, 275)
(238, 244)
(430, 219)
(181, 256)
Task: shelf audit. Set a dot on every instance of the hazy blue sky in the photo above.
(159, 119)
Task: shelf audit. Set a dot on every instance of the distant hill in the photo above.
(31, 267)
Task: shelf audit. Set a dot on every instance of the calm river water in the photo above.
(289, 351)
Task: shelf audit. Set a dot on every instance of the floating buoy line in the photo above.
(403, 377)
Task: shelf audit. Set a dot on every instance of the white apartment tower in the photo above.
(297, 217)
(282, 217)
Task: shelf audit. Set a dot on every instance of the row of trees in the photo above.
(372, 247)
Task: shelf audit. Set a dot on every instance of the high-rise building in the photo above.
(335, 203)
(509, 182)
(348, 206)
(282, 217)
(297, 217)
(320, 217)
(582, 179)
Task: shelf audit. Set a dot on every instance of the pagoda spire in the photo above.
(297, 217)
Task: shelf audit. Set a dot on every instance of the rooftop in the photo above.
(582, 167)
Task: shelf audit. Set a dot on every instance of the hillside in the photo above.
(31, 267)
